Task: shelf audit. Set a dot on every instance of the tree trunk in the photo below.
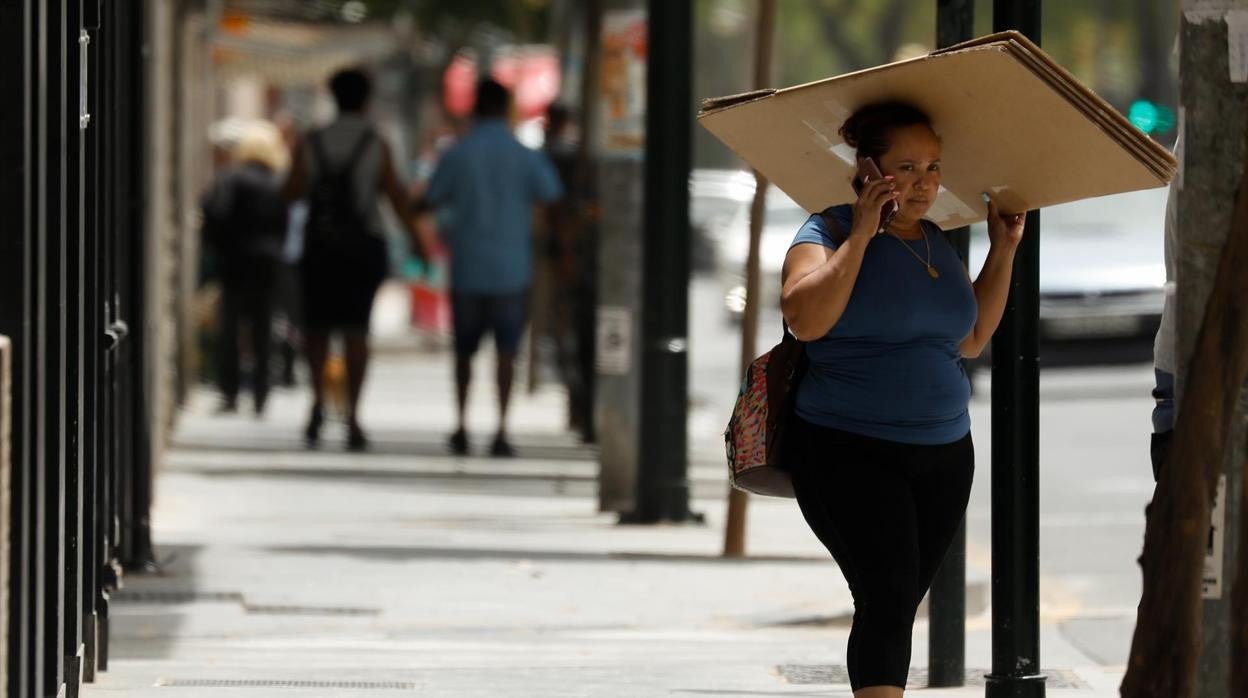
(1166, 645)
(1239, 604)
(738, 501)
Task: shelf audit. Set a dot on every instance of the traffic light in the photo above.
(1151, 118)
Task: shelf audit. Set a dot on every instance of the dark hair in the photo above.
(869, 130)
(351, 88)
(492, 99)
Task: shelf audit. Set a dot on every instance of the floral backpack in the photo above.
(755, 437)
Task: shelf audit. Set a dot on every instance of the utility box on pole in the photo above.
(1214, 109)
(621, 137)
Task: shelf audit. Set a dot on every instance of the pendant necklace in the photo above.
(931, 270)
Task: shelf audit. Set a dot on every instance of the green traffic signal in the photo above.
(1151, 118)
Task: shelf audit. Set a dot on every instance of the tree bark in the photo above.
(738, 501)
(1239, 603)
(1166, 645)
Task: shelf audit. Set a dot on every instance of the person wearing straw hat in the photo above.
(881, 451)
(245, 225)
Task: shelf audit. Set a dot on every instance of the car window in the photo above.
(705, 210)
(1133, 213)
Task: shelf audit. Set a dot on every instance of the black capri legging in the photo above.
(887, 512)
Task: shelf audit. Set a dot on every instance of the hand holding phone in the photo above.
(869, 172)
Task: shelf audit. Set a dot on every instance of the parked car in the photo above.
(1102, 269)
(716, 197)
(782, 219)
(1102, 266)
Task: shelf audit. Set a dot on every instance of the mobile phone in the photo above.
(868, 171)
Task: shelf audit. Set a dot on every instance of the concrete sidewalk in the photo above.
(296, 573)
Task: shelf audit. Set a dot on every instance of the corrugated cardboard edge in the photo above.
(6, 482)
(1155, 151)
(715, 105)
(1112, 122)
(1130, 141)
(711, 105)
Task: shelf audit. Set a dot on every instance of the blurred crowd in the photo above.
(494, 236)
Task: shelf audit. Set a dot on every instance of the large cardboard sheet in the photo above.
(1011, 122)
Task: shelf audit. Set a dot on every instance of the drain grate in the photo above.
(176, 597)
(279, 683)
(817, 674)
(272, 610)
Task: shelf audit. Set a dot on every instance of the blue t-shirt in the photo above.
(891, 366)
(484, 189)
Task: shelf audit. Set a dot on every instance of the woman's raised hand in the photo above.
(1004, 228)
(870, 204)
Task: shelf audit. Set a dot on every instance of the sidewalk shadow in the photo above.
(846, 693)
(395, 553)
(385, 442)
(148, 612)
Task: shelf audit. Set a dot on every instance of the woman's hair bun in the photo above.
(867, 130)
(849, 129)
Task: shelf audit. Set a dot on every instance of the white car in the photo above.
(716, 197)
(782, 219)
(1102, 266)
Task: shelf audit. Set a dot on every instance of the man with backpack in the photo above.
(485, 188)
(342, 170)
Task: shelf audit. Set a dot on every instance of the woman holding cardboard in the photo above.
(881, 448)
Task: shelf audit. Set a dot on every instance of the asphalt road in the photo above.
(1095, 475)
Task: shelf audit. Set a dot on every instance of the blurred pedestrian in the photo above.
(485, 188)
(1164, 344)
(286, 317)
(245, 226)
(881, 457)
(342, 170)
(571, 257)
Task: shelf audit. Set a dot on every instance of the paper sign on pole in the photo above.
(1217, 543)
(615, 341)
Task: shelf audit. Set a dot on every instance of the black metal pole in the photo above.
(92, 347)
(663, 485)
(16, 321)
(1016, 450)
(52, 432)
(946, 600)
(141, 555)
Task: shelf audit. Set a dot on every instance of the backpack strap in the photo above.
(322, 158)
(834, 226)
(357, 152)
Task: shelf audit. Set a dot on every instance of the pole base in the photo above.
(1026, 686)
(637, 518)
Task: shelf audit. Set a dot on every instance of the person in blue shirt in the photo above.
(484, 190)
(881, 457)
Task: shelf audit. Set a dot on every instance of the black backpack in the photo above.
(334, 215)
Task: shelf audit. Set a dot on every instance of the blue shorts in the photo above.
(503, 314)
